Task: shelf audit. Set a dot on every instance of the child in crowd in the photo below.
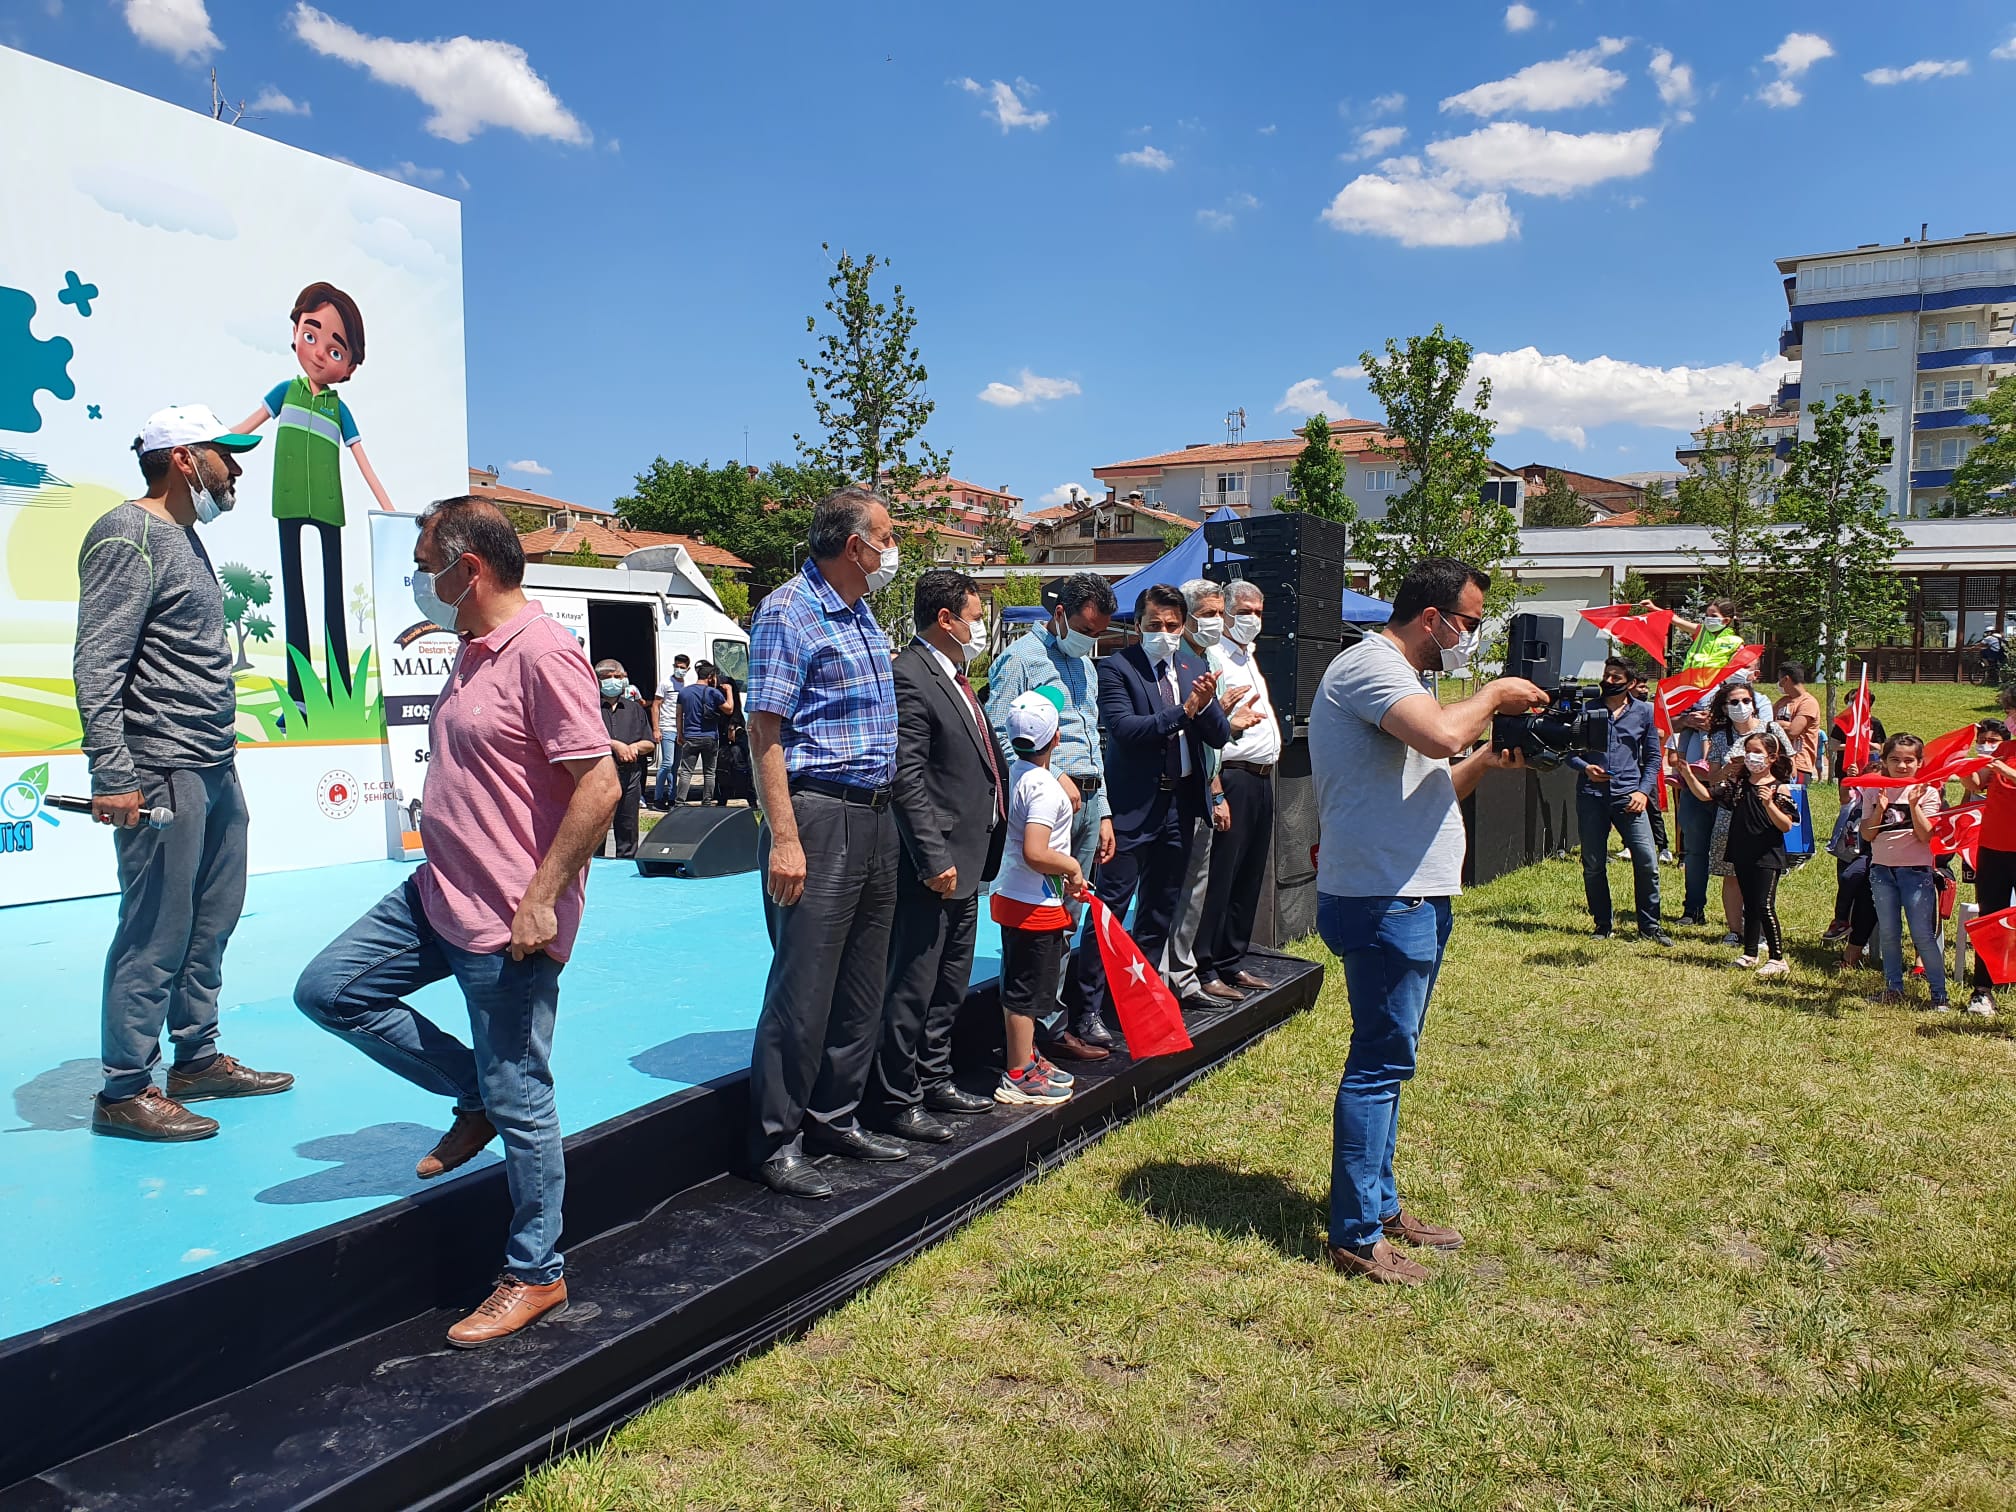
(1854, 905)
(1035, 924)
(1759, 818)
(1738, 710)
(1897, 825)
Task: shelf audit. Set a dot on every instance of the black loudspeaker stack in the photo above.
(700, 841)
(1298, 561)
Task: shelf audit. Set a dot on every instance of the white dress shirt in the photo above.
(1261, 743)
(1165, 673)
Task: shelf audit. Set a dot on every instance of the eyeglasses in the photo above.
(1463, 622)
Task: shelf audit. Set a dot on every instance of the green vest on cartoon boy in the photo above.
(315, 425)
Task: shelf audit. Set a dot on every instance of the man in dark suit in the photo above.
(951, 811)
(1159, 708)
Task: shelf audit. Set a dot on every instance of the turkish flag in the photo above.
(1950, 756)
(1674, 696)
(1148, 1013)
(1957, 832)
(1647, 631)
(1994, 939)
(1855, 749)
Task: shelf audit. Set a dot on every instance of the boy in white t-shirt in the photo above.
(1035, 924)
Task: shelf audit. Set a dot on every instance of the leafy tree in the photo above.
(1019, 588)
(1557, 504)
(1174, 535)
(581, 556)
(732, 591)
(1448, 446)
(1831, 582)
(245, 593)
(1985, 480)
(1728, 492)
(523, 517)
(998, 532)
(867, 382)
(1018, 554)
(763, 520)
(1316, 480)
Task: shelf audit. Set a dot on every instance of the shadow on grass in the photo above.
(1231, 1204)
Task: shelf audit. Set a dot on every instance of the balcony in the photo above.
(1789, 338)
(1227, 498)
(1931, 477)
(1968, 356)
(1945, 419)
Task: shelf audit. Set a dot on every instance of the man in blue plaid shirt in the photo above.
(822, 739)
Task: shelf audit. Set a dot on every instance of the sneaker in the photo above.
(1836, 932)
(1057, 1074)
(1918, 968)
(1981, 1005)
(1028, 1084)
(1744, 963)
(1732, 938)
(1777, 967)
(1599, 934)
(1694, 921)
(1656, 936)
(1939, 1005)
(1667, 858)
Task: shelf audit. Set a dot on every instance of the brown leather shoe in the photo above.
(1222, 992)
(1250, 982)
(469, 1133)
(1067, 1046)
(513, 1305)
(149, 1116)
(225, 1076)
(1385, 1265)
(1408, 1229)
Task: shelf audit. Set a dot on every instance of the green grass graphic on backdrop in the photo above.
(352, 714)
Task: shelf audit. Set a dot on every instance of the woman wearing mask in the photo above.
(1737, 711)
(1759, 817)
(1715, 636)
(1897, 826)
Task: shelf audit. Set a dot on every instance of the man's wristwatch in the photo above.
(1217, 798)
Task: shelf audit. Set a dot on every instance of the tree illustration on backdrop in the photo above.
(246, 593)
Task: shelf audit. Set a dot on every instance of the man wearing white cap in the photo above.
(152, 670)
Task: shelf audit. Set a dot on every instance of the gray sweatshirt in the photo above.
(152, 665)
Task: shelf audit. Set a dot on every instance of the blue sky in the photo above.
(1117, 222)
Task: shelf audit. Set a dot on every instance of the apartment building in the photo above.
(1924, 327)
(1248, 476)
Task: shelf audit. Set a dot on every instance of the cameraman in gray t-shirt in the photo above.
(1380, 746)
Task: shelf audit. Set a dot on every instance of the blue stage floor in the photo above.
(662, 993)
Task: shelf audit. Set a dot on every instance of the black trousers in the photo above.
(294, 600)
(1239, 860)
(1853, 901)
(1759, 886)
(1659, 828)
(1994, 889)
(1151, 864)
(822, 1006)
(631, 775)
(930, 965)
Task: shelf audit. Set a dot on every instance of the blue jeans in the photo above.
(1391, 949)
(353, 989)
(1906, 894)
(668, 764)
(1595, 813)
(1697, 835)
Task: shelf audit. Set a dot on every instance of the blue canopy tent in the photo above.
(1363, 609)
(1024, 614)
(1178, 565)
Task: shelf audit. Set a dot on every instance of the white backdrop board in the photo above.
(151, 256)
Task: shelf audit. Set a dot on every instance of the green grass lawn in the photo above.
(1732, 1245)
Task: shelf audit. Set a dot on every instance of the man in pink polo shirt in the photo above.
(520, 790)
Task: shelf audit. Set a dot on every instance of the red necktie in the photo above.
(986, 741)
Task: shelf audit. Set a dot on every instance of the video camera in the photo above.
(1576, 721)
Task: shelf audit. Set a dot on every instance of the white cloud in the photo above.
(1911, 73)
(1520, 18)
(198, 1256)
(1559, 84)
(271, 103)
(530, 467)
(1513, 155)
(180, 28)
(1214, 220)
(1031, 390)
(1243, 201)
(470, 84)
(1352, 372)
(413, 173)
(1006, 106)
(1306, 397)
(2007, 51)
(1389, 104)
(1269, 130)
(1398, 202)
(1377, 139)
(1675, 82)
(1797, 53)
(1149, 157)
(1062, 494)
(1563, 398)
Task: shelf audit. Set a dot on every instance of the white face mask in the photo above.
(1711, 623)
(885, 574)
(1757, 761)
(1160, 644)
(1244, 628)
(1741, 712)
(975, 642)
(1455, 658)
(1072, 642)
(1208, 630)
(209, 505)
(435, 607)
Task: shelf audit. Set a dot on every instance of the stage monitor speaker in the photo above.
(700, 842)
(1293, 665)
(1305, 595)
(1281, 535)
(1533, 648)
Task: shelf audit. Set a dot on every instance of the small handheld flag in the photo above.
(1149, 1017)
(1647, 630)
(1993, 937)
(1957, 832)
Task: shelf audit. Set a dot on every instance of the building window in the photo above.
(1086, 528)
(1836, 340)
(1882, 335)
(1152, 497)
(1960, 333)
(1379, 480)
(1231, 482)
(1123, 523)
(1952, 452)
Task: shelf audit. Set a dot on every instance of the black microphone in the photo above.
(160, 818)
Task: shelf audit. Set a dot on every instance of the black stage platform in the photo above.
(314, 1373)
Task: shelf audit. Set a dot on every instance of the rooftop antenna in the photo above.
(1235, 426)
(218, 105)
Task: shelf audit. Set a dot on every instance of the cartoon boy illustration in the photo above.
(307, 465)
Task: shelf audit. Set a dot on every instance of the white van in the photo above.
(645, 615)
